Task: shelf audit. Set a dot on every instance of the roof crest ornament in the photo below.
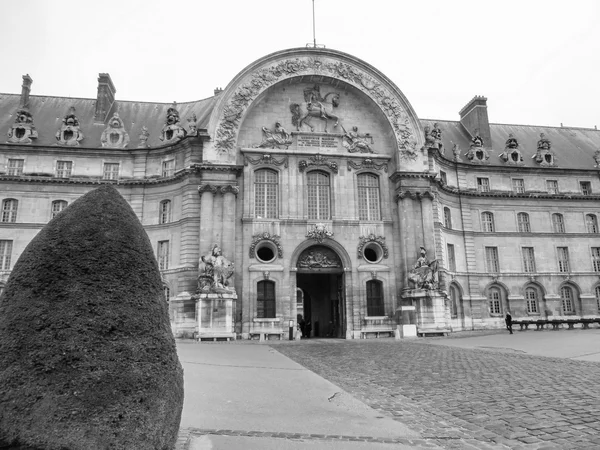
(69, 133)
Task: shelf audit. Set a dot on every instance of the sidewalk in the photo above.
(249, 396)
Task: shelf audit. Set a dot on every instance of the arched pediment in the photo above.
(327, 65)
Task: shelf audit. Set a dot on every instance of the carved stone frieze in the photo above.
(69, 133)
(275, 138)
(319, 232)
(364, 240)
(115, 136)
(172, 131)
(262, 79)
(22, 131)
(318, 160)
(266, 159)
(143, 137)
(356, 142)
(367, 164)
(266, 236)
(319, 258)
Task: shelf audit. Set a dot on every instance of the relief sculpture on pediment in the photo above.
(276, 138)
(356, 142)
(315, 106)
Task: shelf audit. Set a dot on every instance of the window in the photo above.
(163, 255)
(531, 298)
(443, 177)
(58, 206)
(558, 223)
(166, 292)
(566, 297)
(15, 166)
(165, 211)
(563, 259)
(451, 258)
(318, 195)
(63, 169)
(596, 259)
(598, 297)
(5, 252)
(368, 197)
(454, 299)
(586, 187)
(528, 259)
(518, 185)
(552, 186)
(483, 184)
(491, 256)
(494, 301)
(168, 168)
(265, 301)
(523, 222)
(265, 194)
(487, 222)
(375, 298)
(447, 218)
(9, 210)
(111, 171)
(591, 223)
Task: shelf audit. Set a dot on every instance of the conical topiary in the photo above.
(87, 357)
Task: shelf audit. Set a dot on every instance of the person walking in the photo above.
(508, 320)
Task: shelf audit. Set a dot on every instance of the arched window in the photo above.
(591, 223)
(454, 300)
(265, 194)
(487, 222)
(531, 298)
(9, 210)
(368, 197)
(447, 218)
(567, 300)
(5, 254)
(58, 206)
(318, 195)
(265, 300)
(164, 211)
(523, 222)
(495, 301)
(558, 223)
(375, 298)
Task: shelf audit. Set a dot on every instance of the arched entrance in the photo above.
(320, 278)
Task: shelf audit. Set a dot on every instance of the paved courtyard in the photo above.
(480, 391)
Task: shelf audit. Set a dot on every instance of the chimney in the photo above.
(106, 97)
(217, 91)
(474, 116)
(25, 90)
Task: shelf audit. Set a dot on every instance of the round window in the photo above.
(372, 252)
(266, 252)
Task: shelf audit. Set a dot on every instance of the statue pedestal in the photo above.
(430, 308)
(408, 322)
(214, 312)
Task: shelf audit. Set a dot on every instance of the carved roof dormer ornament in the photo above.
(172, 131)
(477, 154)
(544, 156)
(22, 131)
(115, 136)
(511, 154)
(69, 133)
(143, 137)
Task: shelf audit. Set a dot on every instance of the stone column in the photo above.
(427, 218)
(228, 238)
(401, 201)
(207, 192)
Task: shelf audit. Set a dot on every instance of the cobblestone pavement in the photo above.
(465, 398)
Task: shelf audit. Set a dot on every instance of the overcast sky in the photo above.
(537, 62)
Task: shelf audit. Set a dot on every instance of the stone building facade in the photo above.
(308, 189)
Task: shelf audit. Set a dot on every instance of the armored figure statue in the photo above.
(424, 274)
(214, 271)
(144, 135)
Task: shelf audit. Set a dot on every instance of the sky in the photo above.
(537, 62)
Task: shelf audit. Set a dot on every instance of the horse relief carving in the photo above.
(315, 106)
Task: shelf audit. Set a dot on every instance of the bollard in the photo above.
(291, 330)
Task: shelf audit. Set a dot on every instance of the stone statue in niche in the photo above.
(277, 138)
(172, 131)
(511, 153)
(214, 271)
(356, 142)
(22, 131)
(143, 137)
(192, 125)
(544, 155)
(315, 106)
(69, 133)
(115, 136)
(424, 274)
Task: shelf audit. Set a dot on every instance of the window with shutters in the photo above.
(375, 298)
(265, 301)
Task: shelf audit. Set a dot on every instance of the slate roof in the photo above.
(48, 113)
(573, 148)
